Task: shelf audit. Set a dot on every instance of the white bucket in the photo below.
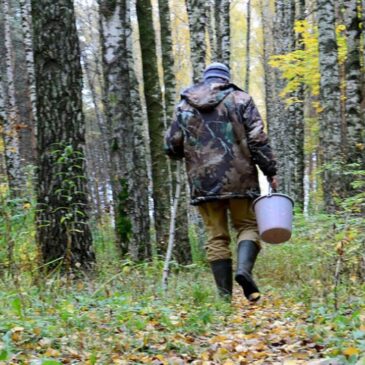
(274, 215)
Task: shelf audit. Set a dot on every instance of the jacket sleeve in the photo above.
(174, 139)
(257, 140)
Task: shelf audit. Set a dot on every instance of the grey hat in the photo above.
(217, 69)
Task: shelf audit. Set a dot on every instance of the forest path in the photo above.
(271, 331)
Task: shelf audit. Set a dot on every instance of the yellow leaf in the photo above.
(205, 356)
(219, 338)
(351, 351)
(37, 331)
(52, 352)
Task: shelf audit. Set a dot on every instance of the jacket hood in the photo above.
(206, 95)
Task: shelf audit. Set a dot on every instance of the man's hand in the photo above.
(273, 180)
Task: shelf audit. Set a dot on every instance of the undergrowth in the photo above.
(121, 309)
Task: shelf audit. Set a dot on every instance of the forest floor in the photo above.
(96, 325)
(312, 309)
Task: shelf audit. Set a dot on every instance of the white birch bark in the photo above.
(212, 33)
(127, 144)
(222, 20)
(25, 8)
(248, 39)
(12, 122)
(170, 245)
(198, 20)
(2, 123)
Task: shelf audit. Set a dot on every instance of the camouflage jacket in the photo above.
(218, 130)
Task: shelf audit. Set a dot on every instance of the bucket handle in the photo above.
(271, 190)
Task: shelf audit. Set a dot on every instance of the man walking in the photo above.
(218, 130)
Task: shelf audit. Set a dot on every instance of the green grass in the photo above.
(121, 309)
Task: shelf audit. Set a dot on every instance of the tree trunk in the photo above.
(25, 9)
(222, 22)
(298, 140)
(355, 121)
(269, 76)
(331, 142)
(283, 138)
(62, 216)
(248, 39)
(198, 21)
(12, 122)
(129, 168)
(182, 251)
(155, 115)
(3, 178)
(212, 30)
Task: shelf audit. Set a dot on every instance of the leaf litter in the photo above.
(114, 331)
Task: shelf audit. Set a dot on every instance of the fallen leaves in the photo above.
(122, 332)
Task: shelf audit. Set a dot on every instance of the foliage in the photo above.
(70, 210)
(17, 233)
(355, 203)
(121, 316)
(126, 315)
(301, 67)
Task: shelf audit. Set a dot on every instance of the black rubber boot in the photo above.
(222, 271)
(247, 252)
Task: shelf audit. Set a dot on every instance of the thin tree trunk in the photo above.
(355, 121)
(170, 245)
(155, 115)
(198, 21)
(62, 214)
(222, 22)
(3, 178)
(212, 30)
(25, 9)
(183, 250)
(269, 76)
(331, 142)
(298, 140)
(248, 41)
(12, 122)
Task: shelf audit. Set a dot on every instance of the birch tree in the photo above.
(155, 116)
(331, 142)
(25, 10)
(182, 251)
(2, 123)
(267, 25)
(355, 121)
(282, 135)
(127, 148)
(198, 21)
(62, 215)
(212, 30)
(12, 123)
(222, 23)
(248, 41)
(298, 140)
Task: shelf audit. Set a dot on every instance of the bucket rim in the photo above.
(269, 196)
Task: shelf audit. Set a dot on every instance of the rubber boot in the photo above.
(247, 252)
(222, 272)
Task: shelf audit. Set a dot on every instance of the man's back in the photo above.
(216, 122)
